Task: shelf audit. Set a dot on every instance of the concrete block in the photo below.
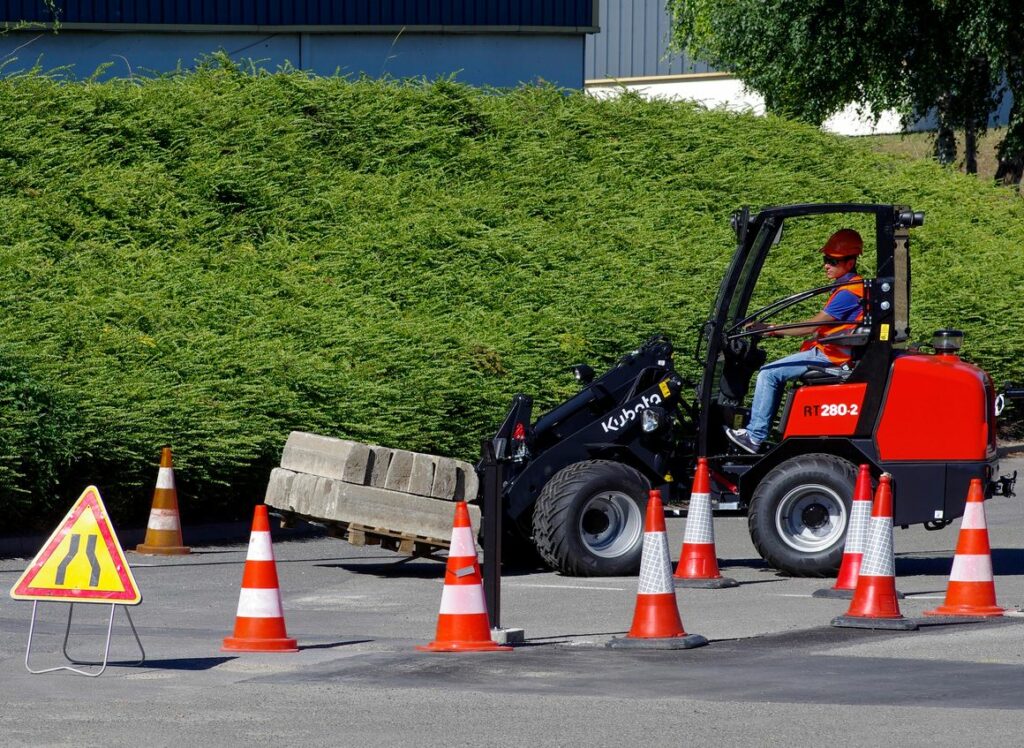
(303, 497)
(370, 506)
(467, 484)
(445, 478)
(358, 464)
(279, 485)
(421, 477)
(399, 472)
(381, 457)
(319, 455)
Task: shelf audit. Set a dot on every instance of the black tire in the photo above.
(799, 514)
(589, 519)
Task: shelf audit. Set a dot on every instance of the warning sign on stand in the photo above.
(82, 562)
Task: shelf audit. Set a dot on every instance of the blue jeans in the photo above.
(771, 380)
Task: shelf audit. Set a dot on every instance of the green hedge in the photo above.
(210, 260)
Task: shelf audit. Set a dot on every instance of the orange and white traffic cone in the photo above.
(874, 603)
(856, 540)
(259, 625)
(163, 531)
(972, 588)
(698, 562)
(463, 624)
(656, 620)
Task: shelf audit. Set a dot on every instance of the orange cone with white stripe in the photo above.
(856, 539)
(163, 531)
(656, 620)
(972, 588)
(875, 603)
(698, 562)
(463, 624)
(259, 625)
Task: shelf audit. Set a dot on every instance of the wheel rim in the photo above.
(610, 524)
(811, 518)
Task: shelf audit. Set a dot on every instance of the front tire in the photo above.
(589, 519)
(799, 514)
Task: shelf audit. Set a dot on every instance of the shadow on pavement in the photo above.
(332, 645)
(1005, 562)
(185, 663)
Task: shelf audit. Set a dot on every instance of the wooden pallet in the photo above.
(357, 534)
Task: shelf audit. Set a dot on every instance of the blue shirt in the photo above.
(845, 306)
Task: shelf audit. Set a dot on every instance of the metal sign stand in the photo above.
(67, 633)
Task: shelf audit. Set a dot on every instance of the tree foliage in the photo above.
(952, 59)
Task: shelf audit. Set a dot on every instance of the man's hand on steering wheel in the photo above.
(761, 328)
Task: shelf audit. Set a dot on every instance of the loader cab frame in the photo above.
(731, 355)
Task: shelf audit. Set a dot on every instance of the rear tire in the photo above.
(799, 514)
(589, 519)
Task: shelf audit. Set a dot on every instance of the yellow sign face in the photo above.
(82, 562)
(883, 332)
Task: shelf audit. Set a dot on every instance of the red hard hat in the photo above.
(844, 243)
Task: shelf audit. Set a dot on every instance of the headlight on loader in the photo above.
(653, 419)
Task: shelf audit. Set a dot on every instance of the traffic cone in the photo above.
(874, 603)
(698, 562)
(972, 589)
(656, 620)
(163, 532)
(856, 540)
(463, 624)
(259, 625)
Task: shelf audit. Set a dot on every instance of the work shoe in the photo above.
(741, 438)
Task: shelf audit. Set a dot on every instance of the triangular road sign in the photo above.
(82, 562)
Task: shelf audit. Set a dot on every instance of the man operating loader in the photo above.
(842, 311)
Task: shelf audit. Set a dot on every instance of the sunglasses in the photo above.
(833, 261)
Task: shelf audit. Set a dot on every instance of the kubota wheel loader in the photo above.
(579, 475)
(576, 479)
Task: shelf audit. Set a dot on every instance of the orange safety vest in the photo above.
(838, 354)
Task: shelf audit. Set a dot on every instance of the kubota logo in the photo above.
(621, 420)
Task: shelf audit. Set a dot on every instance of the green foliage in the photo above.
(954, 59)
(210, 260)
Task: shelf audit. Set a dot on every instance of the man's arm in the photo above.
(802, 329)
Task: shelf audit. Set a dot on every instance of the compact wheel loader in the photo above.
(576, 479)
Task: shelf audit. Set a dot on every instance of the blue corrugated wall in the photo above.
(634, 42)
(554, 13)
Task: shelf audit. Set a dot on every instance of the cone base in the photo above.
(480, 646)
(890, 624)
(683, 641)
(717, 583)
(969, 611)
(166, 550)
(237, 644)
(839, 594)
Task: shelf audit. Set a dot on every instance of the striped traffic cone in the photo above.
(163, 532)
(656, 620)
(874, 603)
(259, 625)
(698, 562)
(972, 589)
(462, 624)
(856, 540)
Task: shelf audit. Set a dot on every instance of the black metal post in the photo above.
(492, 459)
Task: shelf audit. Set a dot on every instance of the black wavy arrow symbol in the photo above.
(90, 553)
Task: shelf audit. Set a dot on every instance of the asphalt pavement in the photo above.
(775, 671)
